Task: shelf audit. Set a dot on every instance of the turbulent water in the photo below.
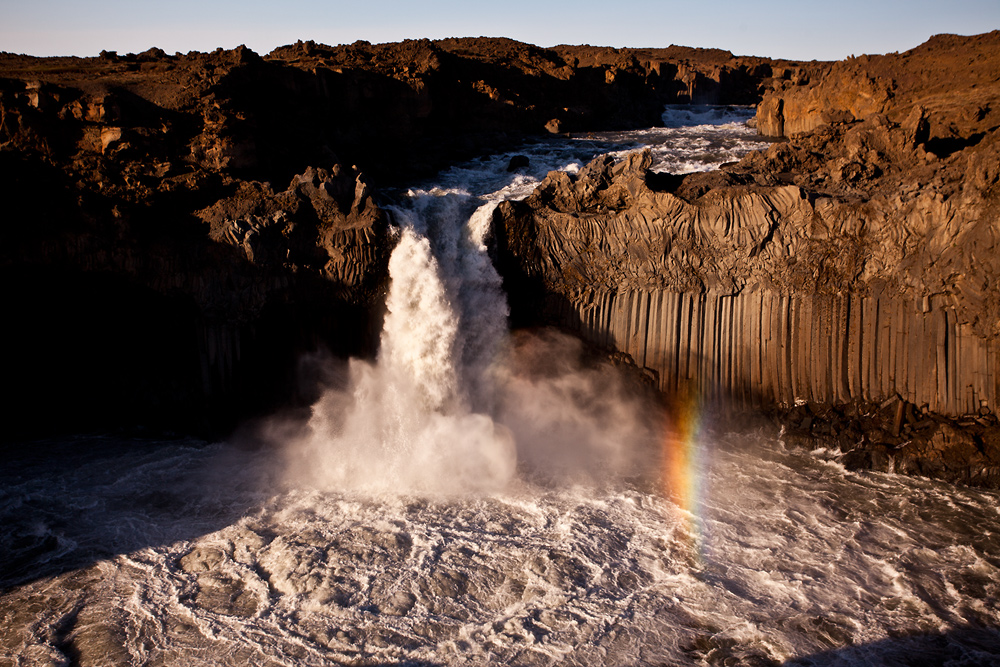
(476, 497)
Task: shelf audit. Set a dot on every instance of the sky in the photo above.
(802, 30)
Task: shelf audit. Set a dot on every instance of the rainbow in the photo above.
(681, 451)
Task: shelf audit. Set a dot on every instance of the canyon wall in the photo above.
(766, 293)
(760, 348)
(220, 210)
(855, 262)
(179, 230)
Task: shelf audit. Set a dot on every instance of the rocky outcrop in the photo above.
(184, 320)
(767, 293)
(952, 78)
(483, 90)
(155, 281)
(852, 266)
(326, 221)
(895, 437)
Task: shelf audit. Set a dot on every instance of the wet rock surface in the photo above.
(897, 437)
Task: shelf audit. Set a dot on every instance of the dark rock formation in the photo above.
(850, 266)
(179, 229)
(165, 317)
(518, 162)
(896, 437)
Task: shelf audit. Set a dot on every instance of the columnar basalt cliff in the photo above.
(854, 266)
(855, 270)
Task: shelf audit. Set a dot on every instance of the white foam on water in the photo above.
(700, 115)
(696, 139)
(407, 422)
(794, 559)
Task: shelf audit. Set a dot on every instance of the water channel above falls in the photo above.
(473, 497)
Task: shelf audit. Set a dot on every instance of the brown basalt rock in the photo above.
(860, 437)
(951, 78)
(844, 266)
(843, 96)
(851, 265)
(427, 102)
(326, 221)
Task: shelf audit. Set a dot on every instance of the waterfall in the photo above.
(479, 496)
(419, 418)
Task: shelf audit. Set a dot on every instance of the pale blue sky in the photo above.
(781, 28)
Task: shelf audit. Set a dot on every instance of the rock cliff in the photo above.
(803, 97)
(855, 265)
(831, 288)
(180, 229)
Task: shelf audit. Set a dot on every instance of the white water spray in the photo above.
(418, 419)
(451, 405)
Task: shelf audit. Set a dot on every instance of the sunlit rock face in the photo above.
(951, 76)
(848, 266)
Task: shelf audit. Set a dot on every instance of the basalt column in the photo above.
(760, 347)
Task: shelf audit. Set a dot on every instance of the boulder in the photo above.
(518, 162)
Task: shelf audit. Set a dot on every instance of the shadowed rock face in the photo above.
(184, 319)
(425, 102)
(851, 266)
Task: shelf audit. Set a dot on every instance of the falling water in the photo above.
(420, 418)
